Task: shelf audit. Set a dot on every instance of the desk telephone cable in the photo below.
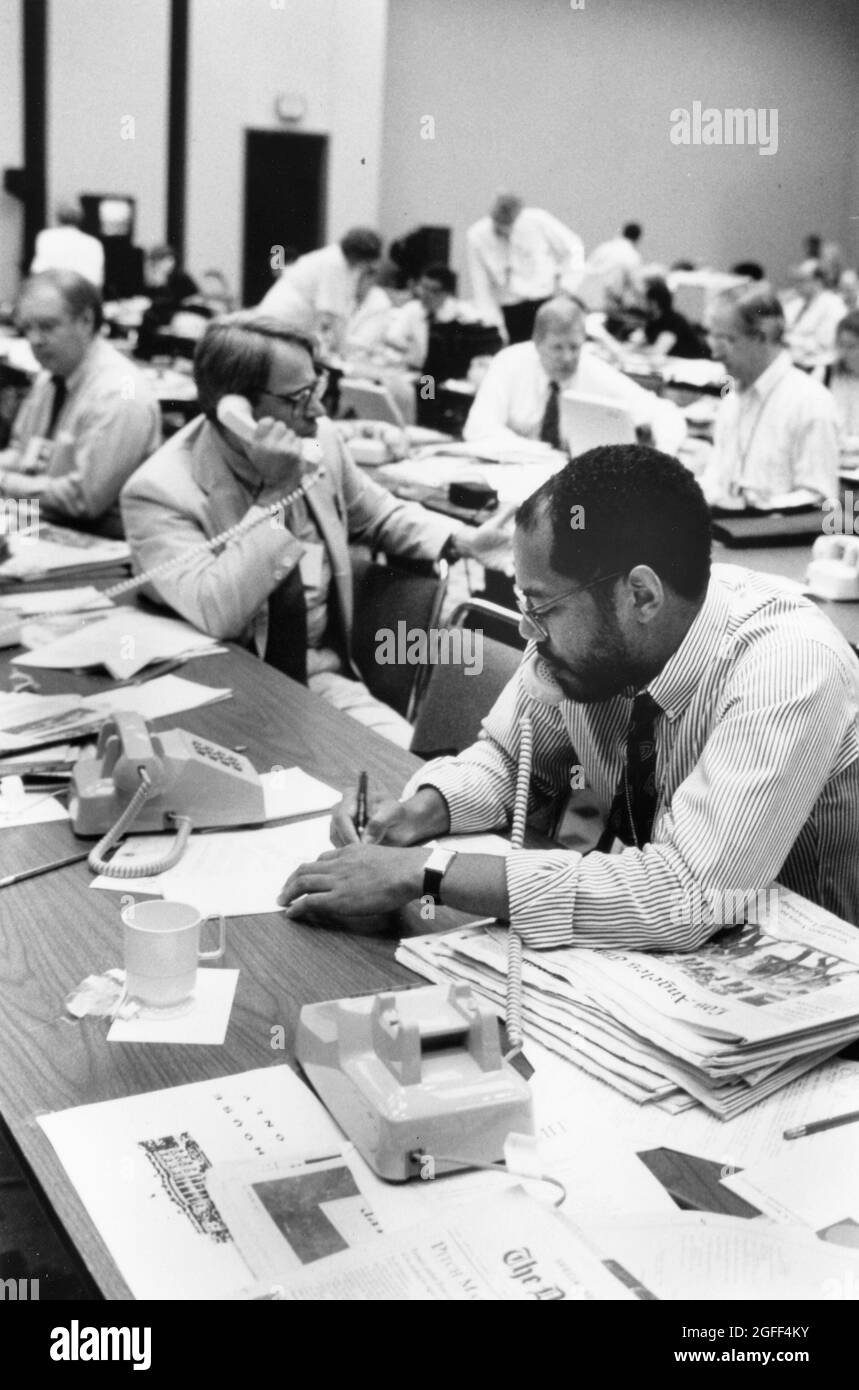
(137, 581)
(97, 861)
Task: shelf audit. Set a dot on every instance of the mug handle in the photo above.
(222, 937)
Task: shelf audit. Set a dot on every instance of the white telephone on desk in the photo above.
(833, 572)
(156, 782)
(418, 1074)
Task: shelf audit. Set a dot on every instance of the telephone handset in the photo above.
(158, 782)
(234, 412)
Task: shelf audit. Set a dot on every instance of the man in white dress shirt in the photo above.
(320, 291)
(775, 441)
(519, 257)
(712, 717)
(610, 269)
(518, 397)
(66, 247)
(812, 316)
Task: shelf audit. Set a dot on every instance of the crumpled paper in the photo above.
(101, 996)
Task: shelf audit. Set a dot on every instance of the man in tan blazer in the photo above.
(208, 478)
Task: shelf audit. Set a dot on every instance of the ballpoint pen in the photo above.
(361, 806)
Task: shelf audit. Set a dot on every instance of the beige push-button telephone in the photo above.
(157, 782)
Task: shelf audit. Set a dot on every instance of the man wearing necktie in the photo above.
(90, 418)
(711, 717)
(283, 586)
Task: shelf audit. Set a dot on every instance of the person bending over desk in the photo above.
(714, 718)
(285, 586)
(775, 439)
(519, 396)
(90, 417)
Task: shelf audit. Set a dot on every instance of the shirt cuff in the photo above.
(468, 811)
(541, 892)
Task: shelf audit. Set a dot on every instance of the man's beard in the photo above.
(608, 671)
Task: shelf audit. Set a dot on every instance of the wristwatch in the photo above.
(434, 871)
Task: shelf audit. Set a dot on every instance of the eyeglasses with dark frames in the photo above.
(300, 400)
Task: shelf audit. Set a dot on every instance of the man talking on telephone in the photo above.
(714, 719)
(283, 586)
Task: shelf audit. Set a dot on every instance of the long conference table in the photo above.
(56, 930)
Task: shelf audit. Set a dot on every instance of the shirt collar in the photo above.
(771, 376)
(673, 688)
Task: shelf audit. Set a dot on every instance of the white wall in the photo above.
(107, 61)
(571, 108)
(11, 142)
(243, 53)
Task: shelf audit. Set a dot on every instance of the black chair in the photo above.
(456, 700)
(400, 591)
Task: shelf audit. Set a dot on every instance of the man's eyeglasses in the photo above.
(534, 612)
(300, 400)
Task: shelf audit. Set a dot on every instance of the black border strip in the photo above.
(177, 125)
(34, 32)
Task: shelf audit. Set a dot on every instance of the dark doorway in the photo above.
(285, 182)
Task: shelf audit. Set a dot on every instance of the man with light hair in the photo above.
(519, 396)
(776, 441)
(90, 418)
(518, 258)
(66, 247)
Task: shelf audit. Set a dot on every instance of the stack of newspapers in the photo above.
(722, 1026)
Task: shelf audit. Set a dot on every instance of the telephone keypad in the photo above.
(216, 755)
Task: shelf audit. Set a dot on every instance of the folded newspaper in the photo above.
(722, 1026)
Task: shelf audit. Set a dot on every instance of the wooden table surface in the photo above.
(55, 930)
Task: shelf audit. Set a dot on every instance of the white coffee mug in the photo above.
(162, 948)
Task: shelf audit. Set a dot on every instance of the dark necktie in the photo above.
(286, 645)
(550, 429)
(57, 404)
(631, 816)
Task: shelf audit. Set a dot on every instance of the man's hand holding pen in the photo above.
(371, 871)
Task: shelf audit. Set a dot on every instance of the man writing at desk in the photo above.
(715, 720)
(519, 398)
(776, 441)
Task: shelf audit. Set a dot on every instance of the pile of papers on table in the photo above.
(57, 550)
(722, 1026)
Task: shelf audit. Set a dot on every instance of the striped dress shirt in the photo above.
(757, 779)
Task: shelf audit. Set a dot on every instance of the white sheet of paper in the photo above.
(139, 1166)
(814, 1180)
(236, 872)
(159, 697)
(699, 1255)
(31, 809)
(206, 1022)
(289, 791)
(56, 601)
(125, 641)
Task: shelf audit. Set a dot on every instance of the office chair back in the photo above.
(399, 597)
(456, 700)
